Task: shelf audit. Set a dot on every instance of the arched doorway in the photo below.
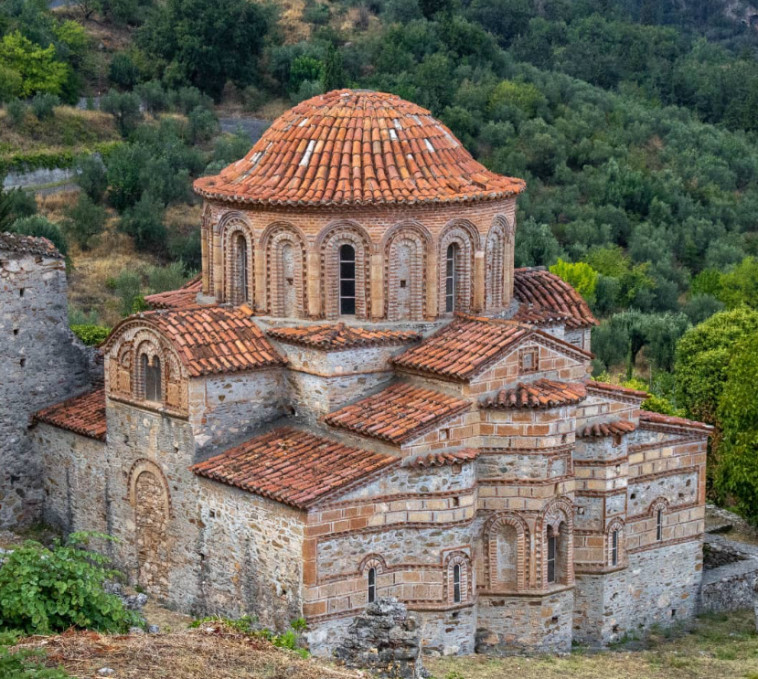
(151, 522)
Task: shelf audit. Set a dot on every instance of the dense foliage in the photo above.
(51, 590)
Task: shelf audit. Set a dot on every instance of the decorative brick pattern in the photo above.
(400, 413)
(405, 261)
(339, 234)
(353, 148)
(462, 234)
(540, 394)
(287, 291)
(340, 337)
(292, 466)
(84, 414)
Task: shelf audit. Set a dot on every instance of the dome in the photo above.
(356, 147)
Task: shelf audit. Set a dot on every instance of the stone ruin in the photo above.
(385, 640)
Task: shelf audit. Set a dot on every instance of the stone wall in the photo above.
(41, 363)
(729, 586)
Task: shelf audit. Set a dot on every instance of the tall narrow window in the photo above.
(152, 375)
(659, 525)
(371, 585)
(451, 277)
(457, 583)
(347, 280)
(614, 548)
(242, 275)
(551, 545)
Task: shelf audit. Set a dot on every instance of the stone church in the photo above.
(362, 397)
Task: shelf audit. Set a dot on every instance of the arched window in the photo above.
(659, 524)
(452, 263)
(371, 585)
(457, 583)
(614, 547)
(241, 274)
(151, 372)
(552, 550)
(347, 280)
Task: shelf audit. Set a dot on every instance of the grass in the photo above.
(717, 647)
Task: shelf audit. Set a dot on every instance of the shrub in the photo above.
(16, 110)
(27, 664)
(128, 286)
(153, 96)
(91, 177)
(144, 223)
(91, 335)
(43, 105)
(202, 124)
(123, 71)
(162, 278)
(581, 276)
(124, 107)
(51, 590)
(84, 221)
(40, 227)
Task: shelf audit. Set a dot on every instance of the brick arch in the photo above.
(415, 240)
(145, 345)
(659, 503)
(499, 263)
(457, 558)
(274, 241)
(558, 517)
(150, 497)
(372, 561)
(615, 525)
(463, 234)
(207, 232)
(497, 525)
(329, 242)
(232, 226)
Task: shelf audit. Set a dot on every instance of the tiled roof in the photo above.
(83, 414)
(184, 297)
(462, 347)
(441, 459)
(29, 245)
(292, 466)
(356, 147)
(211, 339)
(537, 315)
(549, 293)
(648, 417)
(340, 336)
(601, 429)
(540, 394)
(616, 389)
(397, 414)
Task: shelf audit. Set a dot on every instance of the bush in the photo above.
(124, 107)
(27, 664)
(91, 335)
(91, 177)
(153, 96)
(51, 590)
(202, 124)
(162, 278)
(84, 221)
(40, 227)
(16, 110)
(144, 223)
(128, 286)
(123, 71)
(43, 105)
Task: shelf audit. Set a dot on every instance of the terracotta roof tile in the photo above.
(183, 298)
(617, 389)
(397, 414)
(83, 414)
(30, 245)
(547, 296)
(540, 394)
(441, 459)
(210, 339)
(602, 429)
(340, 336)
(292, 466)
(356, 147)
(648, 417)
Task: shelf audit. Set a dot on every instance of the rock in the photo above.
(153, 629)
(385, 640)
(136, 630)
(106, 671)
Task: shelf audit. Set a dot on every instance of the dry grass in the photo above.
(716, 648)
(211, 651)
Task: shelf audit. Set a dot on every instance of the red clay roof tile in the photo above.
(397, 414)
(441, 459)
(340, 336)
(183, 298)
(617, 389)
(373, 148)
(540, 394)
(647, 417)
(292, 466)
(602, 429)
(83, 414)
(546, 295)
(210, 339)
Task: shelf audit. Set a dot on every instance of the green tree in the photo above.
(207, 42)
(38, 67)
(702, 360)
(740, 286)
(737, 475)
(144, 223)
(84, 221)
(124, 107)
(123, 71)
(334, 76)
(579, 275)
(91, 177)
